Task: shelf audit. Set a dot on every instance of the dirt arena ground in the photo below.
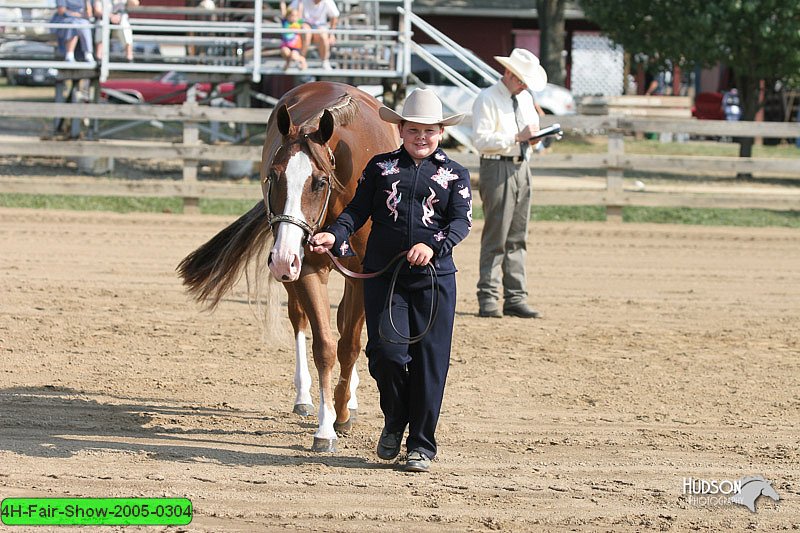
(665, 352)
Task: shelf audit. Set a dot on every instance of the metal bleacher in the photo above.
(238, 41)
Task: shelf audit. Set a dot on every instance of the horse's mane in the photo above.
(344, 110)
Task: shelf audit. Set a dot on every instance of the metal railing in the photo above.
(461, 133)
(212, 42)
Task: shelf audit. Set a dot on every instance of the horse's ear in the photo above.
(325, 130)
(284, 120)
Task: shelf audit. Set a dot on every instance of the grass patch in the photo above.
(226, 207)
(551, 213)
(755, 218)
(115, 204)
(575, 213)
(579, 213)
(121, 204)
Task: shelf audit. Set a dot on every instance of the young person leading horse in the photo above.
(419, 200)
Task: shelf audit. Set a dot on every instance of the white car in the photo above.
(556, 100)
(553, 99)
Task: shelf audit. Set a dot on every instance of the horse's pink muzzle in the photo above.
(285, 265)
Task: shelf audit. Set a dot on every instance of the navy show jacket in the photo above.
(430, 203)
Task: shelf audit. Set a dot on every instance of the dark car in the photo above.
(29, 50)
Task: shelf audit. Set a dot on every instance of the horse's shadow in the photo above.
(55, 422)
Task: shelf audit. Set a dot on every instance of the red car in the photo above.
(708, 106)
(167, 88)
(717, 106)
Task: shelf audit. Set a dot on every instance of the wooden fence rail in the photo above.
(191, 150)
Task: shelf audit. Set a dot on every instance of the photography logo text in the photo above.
(721, 492)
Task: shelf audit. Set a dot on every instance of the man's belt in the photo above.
(516, 159)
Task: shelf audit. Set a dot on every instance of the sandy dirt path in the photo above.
(665, 352)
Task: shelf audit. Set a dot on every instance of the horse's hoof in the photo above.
(323, 445)
(344, 427)
(303, 409)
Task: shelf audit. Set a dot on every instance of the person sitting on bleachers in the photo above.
(319, 14)
(117, 15)
(292, 43)
(77, 14)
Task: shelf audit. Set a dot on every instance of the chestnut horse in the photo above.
(319, 138)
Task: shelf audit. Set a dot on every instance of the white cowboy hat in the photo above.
(526, 67)
(422, 106)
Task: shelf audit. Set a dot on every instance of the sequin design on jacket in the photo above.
(408, 202)
(389, 167)
(467, 195)
(443, 177)
(393, 200)
(427, 207)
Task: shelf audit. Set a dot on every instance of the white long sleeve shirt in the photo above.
(493, 122)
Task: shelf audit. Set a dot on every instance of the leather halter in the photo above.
(308, 229)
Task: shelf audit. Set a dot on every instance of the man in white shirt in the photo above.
(319, 15)
(504, 118)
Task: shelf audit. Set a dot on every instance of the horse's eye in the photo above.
(319, 182)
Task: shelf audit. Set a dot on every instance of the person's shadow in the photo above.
(58, 422)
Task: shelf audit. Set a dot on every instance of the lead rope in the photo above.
(434, 308)
(396, 259)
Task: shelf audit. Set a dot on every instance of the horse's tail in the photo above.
(213, 269)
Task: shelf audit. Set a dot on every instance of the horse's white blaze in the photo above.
(327, 416)
(353, 402)
(302, 377)
(287, 252)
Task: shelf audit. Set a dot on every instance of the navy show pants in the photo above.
(410, 377)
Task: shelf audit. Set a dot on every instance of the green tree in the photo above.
(758, 39)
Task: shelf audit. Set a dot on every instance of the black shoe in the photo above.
(389, 444)
(489, 312)
(418, 462)
(521, 310)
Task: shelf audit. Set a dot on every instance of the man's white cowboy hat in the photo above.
(421, 106)
(526, 67)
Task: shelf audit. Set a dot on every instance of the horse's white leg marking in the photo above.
(353, 402)
(302, 377)
(287, 252)
(327, 416)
